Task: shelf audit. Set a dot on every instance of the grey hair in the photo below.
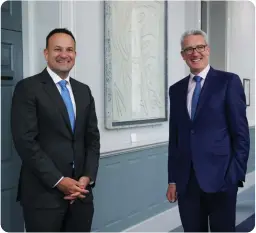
(193, 32)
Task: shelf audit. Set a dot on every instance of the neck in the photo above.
(197, 71)
(62, 75)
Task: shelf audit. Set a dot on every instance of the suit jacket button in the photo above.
(192, 131)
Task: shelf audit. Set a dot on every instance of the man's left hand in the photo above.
(83, 183)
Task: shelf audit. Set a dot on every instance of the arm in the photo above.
(171, 194)
(172, 141)
(238, 125)
(24, 126)
(92, 142)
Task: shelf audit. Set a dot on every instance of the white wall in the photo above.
(86, 20)
(90, 63)
(38, 18)
(241, 46)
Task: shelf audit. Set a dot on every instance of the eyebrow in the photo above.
(58, 46)
(190, 47)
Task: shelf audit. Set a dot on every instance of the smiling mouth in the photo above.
(196, 60)
(63, 61)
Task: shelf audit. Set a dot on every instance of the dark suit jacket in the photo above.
(45, 142)
(216, 142)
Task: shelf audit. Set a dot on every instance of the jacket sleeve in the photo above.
(172, 148)
(238, 126)
(24, 127)
(92, 142)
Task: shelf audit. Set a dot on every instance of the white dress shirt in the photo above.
(56, 79)
(192, 85)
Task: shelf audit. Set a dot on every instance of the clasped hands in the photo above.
(74, 189)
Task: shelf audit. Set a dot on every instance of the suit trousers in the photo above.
(199, 209)
(76, 217)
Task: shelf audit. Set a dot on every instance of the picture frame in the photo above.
(135, 79)
(246, 85)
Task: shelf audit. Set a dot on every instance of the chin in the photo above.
(65, 69)
(196, 69)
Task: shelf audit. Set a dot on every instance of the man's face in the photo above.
(60, 53)
(196, 59)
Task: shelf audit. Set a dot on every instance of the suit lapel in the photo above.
(79, 104)
(51, 89)
(207, 90)
(184, 94)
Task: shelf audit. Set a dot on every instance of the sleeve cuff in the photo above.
(58, 181)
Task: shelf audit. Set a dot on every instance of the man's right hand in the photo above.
(70, 186)
(171, 193)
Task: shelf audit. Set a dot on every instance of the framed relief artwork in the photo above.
(135, 63)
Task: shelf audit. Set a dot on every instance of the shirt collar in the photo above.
(202, 74)
(56, 78)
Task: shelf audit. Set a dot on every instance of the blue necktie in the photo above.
(196, 95)
(67, 100)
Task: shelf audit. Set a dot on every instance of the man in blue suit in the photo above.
(208, 141)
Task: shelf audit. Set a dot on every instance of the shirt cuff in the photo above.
(58, 181)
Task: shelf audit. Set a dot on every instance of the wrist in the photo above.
(85, 180)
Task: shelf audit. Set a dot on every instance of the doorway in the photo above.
(11, 73)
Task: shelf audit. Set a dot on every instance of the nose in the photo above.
(194, 51)
(63, 54)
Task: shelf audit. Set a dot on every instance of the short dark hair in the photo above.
(59, 30)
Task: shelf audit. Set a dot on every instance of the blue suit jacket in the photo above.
(216, 141)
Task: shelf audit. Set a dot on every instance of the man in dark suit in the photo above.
(208, 141)
(54, 128)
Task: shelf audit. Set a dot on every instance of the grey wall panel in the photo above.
(251, 160)
(130, 188)
(9, 212)
(6, 138)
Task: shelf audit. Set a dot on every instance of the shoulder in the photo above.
(81, 87)
(79, 84)
(229, 80)
(229, 76)
(179, 84)
(29, 83)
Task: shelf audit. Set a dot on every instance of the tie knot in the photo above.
(63, 84)
(197, 79)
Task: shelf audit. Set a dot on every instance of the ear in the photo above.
(208, 49)
(183, 55)
(46, 54)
